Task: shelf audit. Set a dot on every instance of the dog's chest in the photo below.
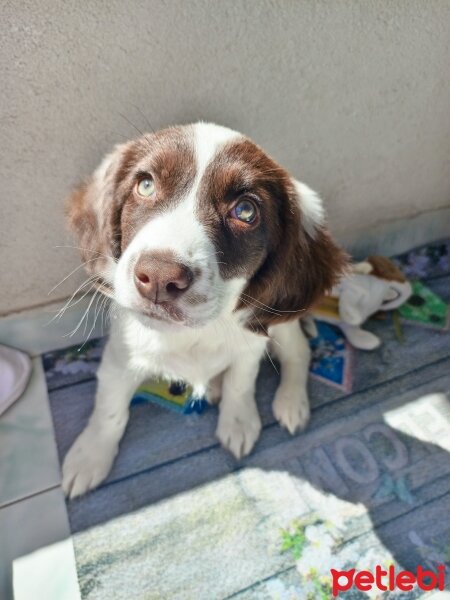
(197, 363)
(195, 357)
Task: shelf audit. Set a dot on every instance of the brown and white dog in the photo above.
(210, 250)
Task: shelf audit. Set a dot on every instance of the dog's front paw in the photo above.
(291, 408)
(87, 463)
(238, 432)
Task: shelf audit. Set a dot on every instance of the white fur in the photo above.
(311, 207)
(208, 139)
(291, 405)
(217, 356)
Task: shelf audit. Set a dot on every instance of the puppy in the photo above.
(209, 250)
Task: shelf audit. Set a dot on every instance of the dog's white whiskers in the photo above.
(109, 257)
(100, 298)
(104, 310)
(98, 295)
(71, 273)
(262, 308)
(72, 333)
(68, 304)
(271, 307)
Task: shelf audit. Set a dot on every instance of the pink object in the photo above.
(15, 371)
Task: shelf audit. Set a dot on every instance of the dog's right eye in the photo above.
(245, 210)
(145, 187)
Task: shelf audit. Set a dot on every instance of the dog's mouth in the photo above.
(165, 312)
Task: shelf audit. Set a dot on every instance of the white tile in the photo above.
(31, 525)
(28, 455)
(48, 573)
(32, 331)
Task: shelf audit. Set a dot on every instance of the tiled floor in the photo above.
(36, 552)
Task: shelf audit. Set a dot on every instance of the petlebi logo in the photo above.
(388, 579)
(315, 544)
(328, 566)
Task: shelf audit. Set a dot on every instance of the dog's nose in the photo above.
(161, 279)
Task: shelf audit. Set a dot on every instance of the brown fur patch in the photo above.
(385, 269)
(290, 282)
(83, 221)
(169, 159)
(287, 270)
(106, 214)
(241, 170)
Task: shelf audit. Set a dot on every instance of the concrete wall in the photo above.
(352, 96)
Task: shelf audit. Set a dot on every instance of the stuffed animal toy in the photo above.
(373, 285)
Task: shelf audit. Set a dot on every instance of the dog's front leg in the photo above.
(239, 422)
(291, 404)
(90, 459)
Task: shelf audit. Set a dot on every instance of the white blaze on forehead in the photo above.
(313, 214)
(208, 140)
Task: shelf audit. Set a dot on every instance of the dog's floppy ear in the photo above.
(93, 214)
(303, 265)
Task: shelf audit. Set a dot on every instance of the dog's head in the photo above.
(187, 223)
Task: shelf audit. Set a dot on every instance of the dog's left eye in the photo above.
(244, 211)
(145, 187)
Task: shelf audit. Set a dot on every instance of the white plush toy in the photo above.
(373, 285)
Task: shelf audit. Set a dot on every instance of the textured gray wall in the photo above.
(352, 96)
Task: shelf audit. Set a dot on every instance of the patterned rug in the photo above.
(367, 484)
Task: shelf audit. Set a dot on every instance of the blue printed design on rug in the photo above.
(331, 357)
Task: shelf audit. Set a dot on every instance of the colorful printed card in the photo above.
(174, 396)
(331, 357)
(425, 308)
